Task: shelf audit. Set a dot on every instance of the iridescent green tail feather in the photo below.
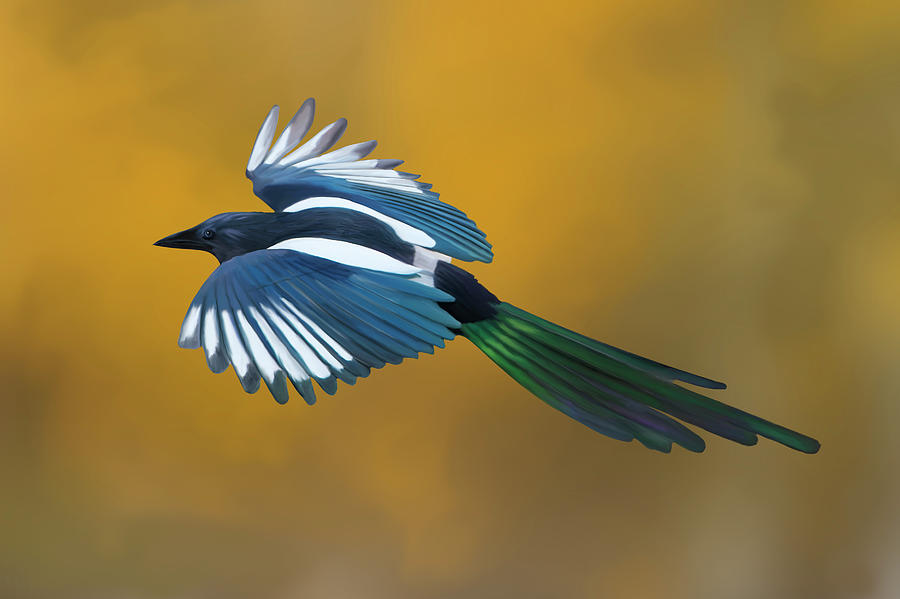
(612, 391)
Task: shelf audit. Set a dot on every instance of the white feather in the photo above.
(212, 342)
(210, 329)
(263, 139)
(310, 360)
(374, 172)
(237, 353)
(190, 328)
(261, 356)
(346, 155)
(310, 339)
(293, 132)
(282, 354)
(236, 350)
(346, 253)
(404, 185)
(356, 165)
(337, 347)
(318, 143)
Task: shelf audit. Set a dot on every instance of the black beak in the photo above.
(185, 240)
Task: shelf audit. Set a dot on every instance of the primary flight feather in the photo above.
(353, 270)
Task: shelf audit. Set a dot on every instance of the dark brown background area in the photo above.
(713, 184)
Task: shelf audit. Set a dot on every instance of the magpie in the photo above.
(353, 269)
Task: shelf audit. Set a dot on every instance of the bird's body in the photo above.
(353, 271)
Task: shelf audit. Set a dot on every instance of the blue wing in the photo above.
(282, 315)
(284, 176)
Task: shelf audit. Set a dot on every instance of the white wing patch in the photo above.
(346, 253)
(404, 231)
(190, 328)
(274, 165)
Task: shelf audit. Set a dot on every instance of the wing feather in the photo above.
(294, 131)
(318, 143)
(282, 315)
(263, 139)
(213, 343)
(238, 355)
(285, 176)
(258, 345)
(345, 157)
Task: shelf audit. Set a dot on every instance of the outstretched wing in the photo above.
(291, 178)
(286, 315)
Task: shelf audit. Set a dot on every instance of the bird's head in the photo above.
(224, 235)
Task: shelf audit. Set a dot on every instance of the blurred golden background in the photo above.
(712, 184)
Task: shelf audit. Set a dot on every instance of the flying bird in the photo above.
(353, 269)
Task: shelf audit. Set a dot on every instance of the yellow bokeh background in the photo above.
(712, 184)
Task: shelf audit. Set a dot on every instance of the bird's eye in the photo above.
(208, 234)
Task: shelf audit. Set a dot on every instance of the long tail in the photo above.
(610, 390)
